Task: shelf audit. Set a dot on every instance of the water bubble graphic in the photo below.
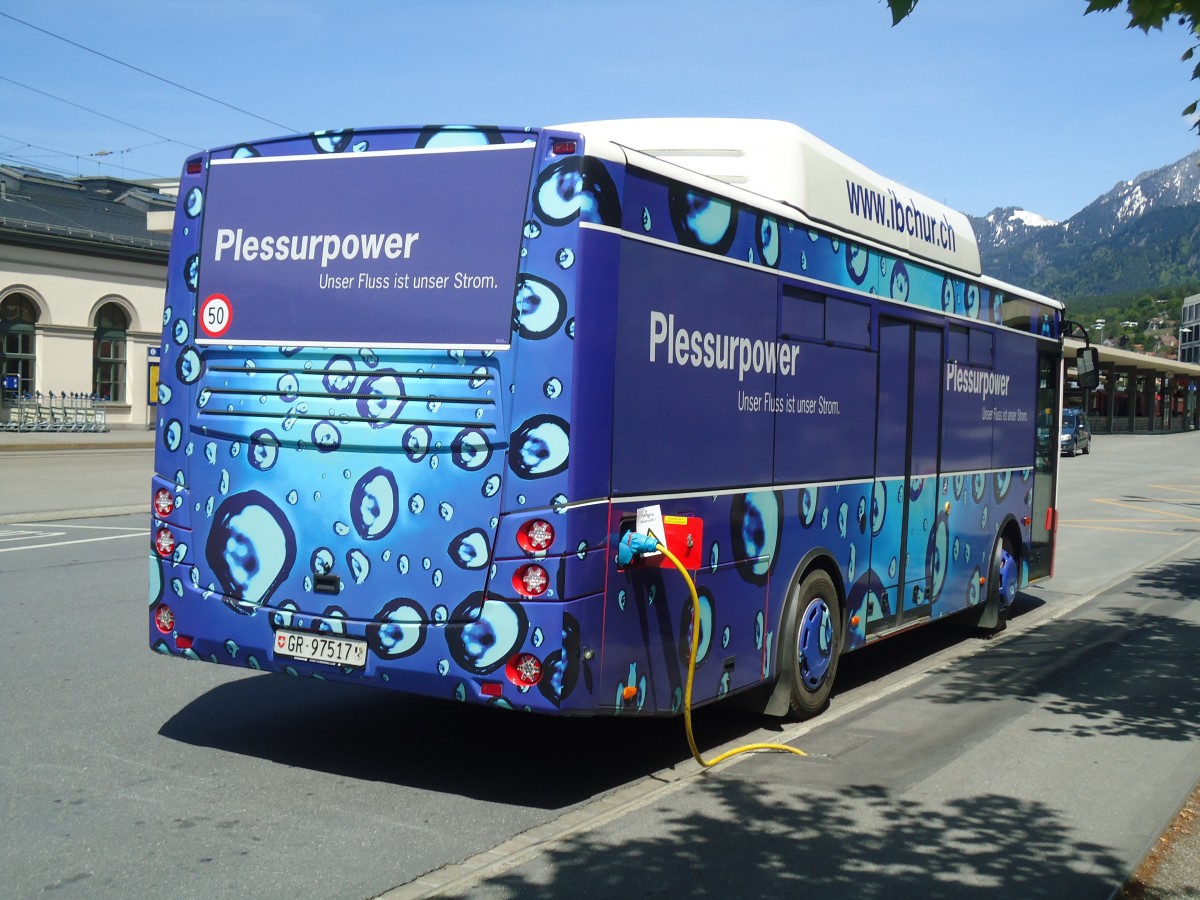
(768, 240)
(193, 203)
(251, 547)
(180, 331)
(223, 484)
(292, 497)
(164, 393)
(470, 550)
(416, 504)
(539, 308)
(446, 511)
(326, 437)
(360, 566)
(374, 504)
(288, 387)
(701, 220)
(470, 449)
(494, 631)
(341, 529)
(565, 258)
(441, 136)
(491, 486)
(540, 447)
(755, 523)
(188, 367)
(416, 442)
(321, 561)
(552, 388)
(332, 141)
(381, 397)
(173, 434)
(397, 630)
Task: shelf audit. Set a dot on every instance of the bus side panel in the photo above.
(690, 410)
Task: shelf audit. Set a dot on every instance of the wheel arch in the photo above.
(780, 679)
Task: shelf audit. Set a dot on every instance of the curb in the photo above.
(64, 514)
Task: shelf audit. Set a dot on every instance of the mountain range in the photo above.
(1142, 235)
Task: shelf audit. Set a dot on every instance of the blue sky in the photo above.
(977, 103)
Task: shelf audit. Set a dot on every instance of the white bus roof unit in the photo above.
(785, 163)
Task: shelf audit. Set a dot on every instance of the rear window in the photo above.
(405, 249)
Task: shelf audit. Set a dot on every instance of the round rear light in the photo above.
(531, 581)
(535, 536)
(164, 542)
(164, 619)
(524, 670)
(164, 503)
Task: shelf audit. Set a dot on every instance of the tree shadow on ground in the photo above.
(742, 841)
(1115, 671)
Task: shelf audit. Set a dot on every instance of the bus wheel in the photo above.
(1004, 575)
(814, 644)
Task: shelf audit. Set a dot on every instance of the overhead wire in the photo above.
(149, 74)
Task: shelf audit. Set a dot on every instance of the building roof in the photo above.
(102, 215)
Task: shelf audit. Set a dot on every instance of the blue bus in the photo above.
(418, 384)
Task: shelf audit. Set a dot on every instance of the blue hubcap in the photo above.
(1008, 579)
(815, 647)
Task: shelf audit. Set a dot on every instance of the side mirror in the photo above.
(1087, 367)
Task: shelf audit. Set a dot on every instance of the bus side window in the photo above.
(802, 315)
(979, 353)
(957, 348)
(847, 322)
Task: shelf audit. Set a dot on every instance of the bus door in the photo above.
(1049, 415)
(908, 552)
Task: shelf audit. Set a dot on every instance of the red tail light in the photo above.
(531, 581)
(164, 503)
(164, 542)
(524, 670)
(563, 148)
(164, 619)
(535, 536)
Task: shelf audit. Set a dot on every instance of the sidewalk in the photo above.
(117, 439)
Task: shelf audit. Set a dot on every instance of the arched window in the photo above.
(18, 359)
(108, 379)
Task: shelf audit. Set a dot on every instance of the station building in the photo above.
(82, 279)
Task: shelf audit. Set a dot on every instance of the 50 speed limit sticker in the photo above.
(216, 315)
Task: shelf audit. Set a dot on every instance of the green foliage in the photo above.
(1143, 14)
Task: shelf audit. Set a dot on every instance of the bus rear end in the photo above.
(351, 482)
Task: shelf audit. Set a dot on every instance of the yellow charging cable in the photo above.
(687, 694)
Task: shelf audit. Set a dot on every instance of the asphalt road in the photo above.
(1041, 763)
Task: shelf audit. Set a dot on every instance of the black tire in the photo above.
(814, 637)
(1000, 604)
